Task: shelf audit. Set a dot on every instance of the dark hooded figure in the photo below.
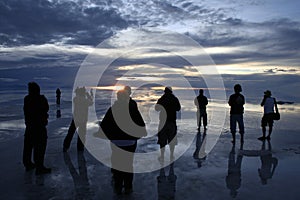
(36, 119)
(123, 125)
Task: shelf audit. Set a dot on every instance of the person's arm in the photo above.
(178, 106)
(135, 114)
(244, 101)
(206, 101)
(107, 121)
(275, 104)
(25, 110)
(230, 101)
(158, 105)
(196, 102)
(263, 101)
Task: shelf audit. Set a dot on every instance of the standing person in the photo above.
(167, 105)
(201, 102)
(36, 109)
(236, 102)
(81, 102)
(58, 94)
(123, 125)
(268, 103)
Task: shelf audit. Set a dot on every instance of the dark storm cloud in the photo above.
(41, 21)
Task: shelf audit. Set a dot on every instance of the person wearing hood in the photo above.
(35, 109)
(167, 106)
(123, 125)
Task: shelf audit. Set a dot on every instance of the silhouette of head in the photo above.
(127, 89)
(268, 93)
(122, 95)
(168, 90)
(201, 91)
(33, 88)
(237, 88)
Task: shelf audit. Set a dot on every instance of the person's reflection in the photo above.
(58, 112)
(166, 185)
(199, 154)
(268, 163)
(80, 178)
(233, 179)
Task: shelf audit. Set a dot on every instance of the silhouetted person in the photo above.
(81, 102)
(36, 109)
(233, 179)
(166, 185)
(201, 103)
(199, 154)
(236, 102)
(123, 125)
(268, 103)
(58, 95)
(268, 164)
(167, 105)
(80, 178)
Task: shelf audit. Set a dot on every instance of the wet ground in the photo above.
(256, 172)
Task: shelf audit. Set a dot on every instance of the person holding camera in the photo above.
(268, 103)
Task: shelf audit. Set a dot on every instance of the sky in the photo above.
(246, 38)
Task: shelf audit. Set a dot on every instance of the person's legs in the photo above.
(161, 158)
(240, 121)
(263, 126)
(233, 127)
(205, 120)
(117, 175)
(128, 176)
(27, 151)
(198, 120)
(68, 138)
(81, 136)
(172, 138)
(270, 123)
(40, 144)
(162, 140)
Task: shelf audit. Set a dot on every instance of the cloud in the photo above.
(32, 22)
(214, 23)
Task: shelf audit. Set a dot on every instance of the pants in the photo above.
(236, 118)
(123, 161)
(81, 133)
(35, 140)
(201, 114)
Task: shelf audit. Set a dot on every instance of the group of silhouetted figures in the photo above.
(123, 125)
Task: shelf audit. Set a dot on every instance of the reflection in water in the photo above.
(265, 172)
(58, 112)
(233, 179)
(199, 154)
(166, 185)
(268, 163)
(80, 178)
